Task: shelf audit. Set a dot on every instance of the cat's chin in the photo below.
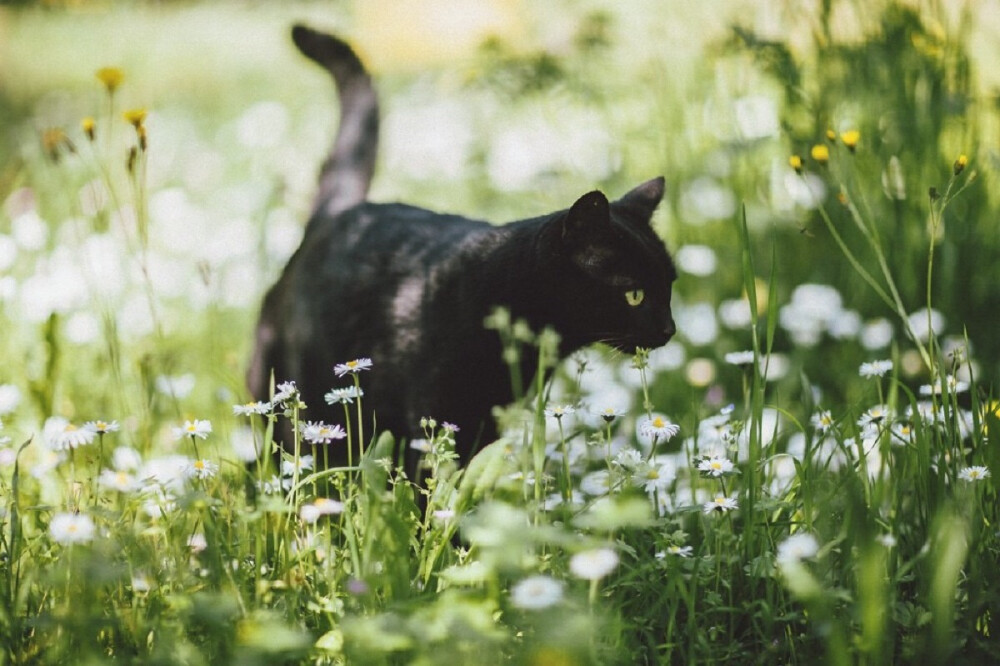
(631, 346)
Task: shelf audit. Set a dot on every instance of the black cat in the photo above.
(410, 288)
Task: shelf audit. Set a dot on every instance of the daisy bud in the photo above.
(88, 125)
(960, 164)
(796, 163)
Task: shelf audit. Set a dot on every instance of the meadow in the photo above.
(805, 474)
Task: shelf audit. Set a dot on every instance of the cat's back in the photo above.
(393, 239)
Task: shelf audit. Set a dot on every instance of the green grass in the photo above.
(851, 519)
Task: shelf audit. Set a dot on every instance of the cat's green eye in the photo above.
(634, 296)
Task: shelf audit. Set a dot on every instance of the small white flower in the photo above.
(422, 445)
(559, 411)
(252, 408)
(274, 485)
(974, 473)
(628, 458)
(126, 458)
(716, 466)
(63, 435)
(954, 386)
(675, 550)
(740, 358)
(720, 504)
(875, 369)
(797, 547)
(352, 367)
(70, 528)
(197, 428)
(302, 463)
(822, 421)
(141, 584)
(119, 480)
(609, 413)
(321, 433)
(444, 515)
(593, 564)
(197, 542)
(343, 396)
(309, 513)
(102, 427)
(887, 540)
(202, 469)
(875, 416)
(596, 484)
(10, 398)
(659, 428)
(536, 592)
(285, 391)
(654, 478)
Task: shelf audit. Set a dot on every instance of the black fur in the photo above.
(410, 288)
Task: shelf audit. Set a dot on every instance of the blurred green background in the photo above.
(499, 109)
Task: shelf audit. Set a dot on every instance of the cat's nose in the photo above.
(670, 329)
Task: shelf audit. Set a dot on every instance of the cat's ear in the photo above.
(590, 212)
(645, 198)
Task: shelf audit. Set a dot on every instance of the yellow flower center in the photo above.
(720, 500)
(715, 464)
(69, 428)
(199, 464)
(658, 422)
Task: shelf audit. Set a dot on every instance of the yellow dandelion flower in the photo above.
(850, 139)
(820, 153)
(89, 126)
(111, 77)
(961, 163)
(135, 117)
(796, 163)
(831, 136)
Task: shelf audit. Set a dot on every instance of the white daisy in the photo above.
(659, 428)
(119, 480)
(285, 391)
(536, 592)
(609, 413)
(716, 466)
(321, 433)
(102, 427)
(302, 463)
(740, 358)
(343, 396)
(202, 469)
(822, 421)
(593, 564)
(954, 386)
(974, 473)
(559, 411)
(675, 550)
(250, 408)
(197, 428)
(797, 547)
(70, 528)
(63, 435)
(720, 504)
(875, 369)
(352, 367)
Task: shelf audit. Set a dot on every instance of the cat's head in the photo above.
(612, 273)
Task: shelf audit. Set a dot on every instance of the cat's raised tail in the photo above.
(347, 171)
